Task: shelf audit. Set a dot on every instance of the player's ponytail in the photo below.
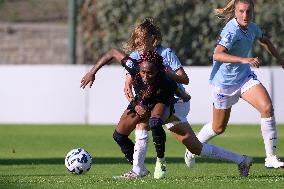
(228, 12)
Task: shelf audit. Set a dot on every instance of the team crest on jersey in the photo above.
(129, 64)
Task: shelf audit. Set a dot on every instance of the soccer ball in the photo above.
(78, 161)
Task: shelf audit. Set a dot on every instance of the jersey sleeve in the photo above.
(135, 55)
(171, 60)
(227, 38)
(130, 65)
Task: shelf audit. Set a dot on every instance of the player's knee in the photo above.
(158, 133)
(267, 109)
(119, 138)
(155, 122)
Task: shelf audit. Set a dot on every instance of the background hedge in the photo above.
(188, 27)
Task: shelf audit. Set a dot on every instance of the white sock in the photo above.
(269, 135)
(161, 159)
(140, 149)
(206, 133)
(215, 152)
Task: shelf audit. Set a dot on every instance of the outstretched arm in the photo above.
(109, 55)
(221, 54)
(269, 47)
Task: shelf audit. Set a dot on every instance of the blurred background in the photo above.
(46, 46)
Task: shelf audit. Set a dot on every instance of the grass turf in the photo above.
(33, 157)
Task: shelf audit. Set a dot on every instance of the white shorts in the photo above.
(226, 98)
(181, 112)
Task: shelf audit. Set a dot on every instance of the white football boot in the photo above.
(189, 158)
(273, 162)
(132, 175)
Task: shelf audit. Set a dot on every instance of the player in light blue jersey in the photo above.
(232, 77)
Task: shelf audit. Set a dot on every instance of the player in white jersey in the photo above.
(232, 78)
(146, 36)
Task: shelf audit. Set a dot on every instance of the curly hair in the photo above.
(154, 58)
(146, 28)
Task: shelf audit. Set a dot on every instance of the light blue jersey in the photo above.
(238, 42)
(169, 59)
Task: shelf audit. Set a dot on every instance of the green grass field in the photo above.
(33, 157)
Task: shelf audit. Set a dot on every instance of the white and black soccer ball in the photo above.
(78, 161)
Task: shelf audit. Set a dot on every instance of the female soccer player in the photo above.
(147, 36)
(232, 78)
(154, 95)
(127, 124)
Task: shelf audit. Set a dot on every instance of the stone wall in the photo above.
(34, 43)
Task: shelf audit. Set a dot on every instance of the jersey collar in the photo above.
(235, 22)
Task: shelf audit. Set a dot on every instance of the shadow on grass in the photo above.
(109, 160)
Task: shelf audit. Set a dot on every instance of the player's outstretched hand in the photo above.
(88, 78)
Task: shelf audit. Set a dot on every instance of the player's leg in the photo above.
(141, 144)
(223, 100)
(185, 134)
(125, 126)
(159, 114)
(259, 98)
(218, 126)
(222, 103)
(140, 148)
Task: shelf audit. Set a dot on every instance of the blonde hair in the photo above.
(228, 12)
(146, 28)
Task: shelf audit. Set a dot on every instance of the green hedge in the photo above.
(188, 27)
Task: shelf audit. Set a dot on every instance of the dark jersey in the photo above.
(161, 91)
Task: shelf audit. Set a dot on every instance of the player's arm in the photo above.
(128, 88)
(103, 60)
(178, 76)
(221, 54)
(269, 47)
(142, 112)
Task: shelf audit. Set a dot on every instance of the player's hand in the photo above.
(88, 78)
(141, 111)
(254, 62)
(185, 97)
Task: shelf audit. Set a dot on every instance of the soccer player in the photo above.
(147, 36)
(132, 116)
(232, 78)
(154, 95)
